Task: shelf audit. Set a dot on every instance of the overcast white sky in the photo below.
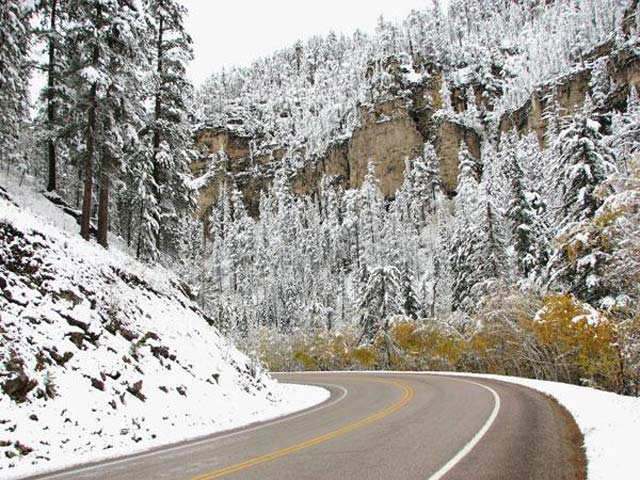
(235, 32)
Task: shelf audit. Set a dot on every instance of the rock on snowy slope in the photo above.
(100, 356)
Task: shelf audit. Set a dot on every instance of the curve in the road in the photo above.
(379, 427)
(189, 444)
(407, 395)
(477, 437)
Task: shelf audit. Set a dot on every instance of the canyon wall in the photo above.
(394, 131)
(390, 133)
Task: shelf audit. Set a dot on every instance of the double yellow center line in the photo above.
(408, 393)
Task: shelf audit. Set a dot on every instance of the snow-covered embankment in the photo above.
(102, 356)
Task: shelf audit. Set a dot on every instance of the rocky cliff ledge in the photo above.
(393, 131)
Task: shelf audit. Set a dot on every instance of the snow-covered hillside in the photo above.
(101, 355)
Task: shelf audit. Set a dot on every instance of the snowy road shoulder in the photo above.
(101, 356)
(610, 424)
(293, 399)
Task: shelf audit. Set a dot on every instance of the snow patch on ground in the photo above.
(610, 424)
(101, 355)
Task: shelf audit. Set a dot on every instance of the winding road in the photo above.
(379, 426)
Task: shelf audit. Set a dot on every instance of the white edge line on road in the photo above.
(474, 441)
(162, 451)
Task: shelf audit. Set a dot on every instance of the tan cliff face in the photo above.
(387, 138)
(567, 94)
(394, 131)
(391, 133)
(449, 139)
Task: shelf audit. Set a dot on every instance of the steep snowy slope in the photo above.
(100, 355)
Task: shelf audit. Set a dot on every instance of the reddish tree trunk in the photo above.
(158, 104)
(85, 224)
(103, 211)
(51, 112)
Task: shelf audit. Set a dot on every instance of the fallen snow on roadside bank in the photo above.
(102, 356)
(610, 424)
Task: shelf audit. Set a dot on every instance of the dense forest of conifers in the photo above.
(531, 269)
(111, 135)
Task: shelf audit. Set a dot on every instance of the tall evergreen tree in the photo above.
(53, 22)
(423, 187)
(105, 44)
(525, 214)
(583, 163)
(168, 128)
(411, 305)
(381, 298)
(461, 261)
(144, 204)
(625, 128)
(15, 41)
(598, 259)
(468, 176)
(464, 237)
(371, 218)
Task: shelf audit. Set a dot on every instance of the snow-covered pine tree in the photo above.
(600, 83)
(371, 218)
(53, 22)
(471, 116)
(468, 177)
(445, 97)
(15, 42)
(387, 37)
(552, 118)
(625, 128)
(381, 298)
(493, 262)
(582, 164)
(461, 250)
(168, 127)
(461, 261)
(597, 258)
(146, 204)
(411, 305)
(239, 242)
(424, 186)
(525, 213)
(105, 46)
(478, 251)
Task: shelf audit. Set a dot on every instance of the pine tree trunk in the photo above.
(158, 103)
(156, 129)
(103, 211)
(78, 188)
(51, 183)
(139, 242)
(432, 306)
(85, 225)
(51, 112)
(629, 18)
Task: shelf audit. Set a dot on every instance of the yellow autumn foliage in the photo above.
(555, 338)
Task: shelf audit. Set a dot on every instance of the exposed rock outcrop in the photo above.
(390, 133)
(449, 137)
(394, 130)
(388, 136)
(567, 94)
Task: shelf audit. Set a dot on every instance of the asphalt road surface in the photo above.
(379, 426)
